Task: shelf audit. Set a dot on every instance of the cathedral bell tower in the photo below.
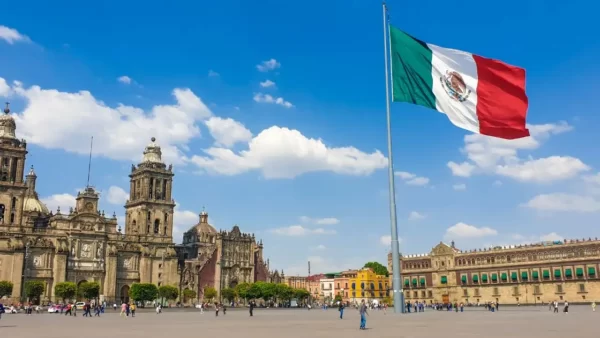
(149, 210)
(12, 164)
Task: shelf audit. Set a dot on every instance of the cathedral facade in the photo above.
(84, 244)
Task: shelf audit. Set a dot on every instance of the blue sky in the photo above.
(302, 162)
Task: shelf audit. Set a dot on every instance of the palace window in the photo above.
(516, 290)
(496, 292)
(536, 290)
(579, 272)
(465, 292)
(581, 287)
(559, 289)
(476, 292)
(407, 294)
(416, 294)
(345, 287)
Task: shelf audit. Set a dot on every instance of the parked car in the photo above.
(79, 305)
(56, 308)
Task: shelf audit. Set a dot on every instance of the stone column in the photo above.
(59, 271)
(18, 259)
(110, 278)
(145, 269)
(20, 168)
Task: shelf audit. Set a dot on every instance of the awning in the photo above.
(444, 279)
(579, 272)
(494, 277)
(591, 271)
(504, 277)
(484, 277)
(536, 275)
(464, 279)
(524, 275)
(475, 278)
(406, 282)
(414, 281)
(557, 273)
(513, 276)
(546, 274)
(568, 272)
(422, 281)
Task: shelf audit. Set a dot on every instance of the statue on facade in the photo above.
(99, 252)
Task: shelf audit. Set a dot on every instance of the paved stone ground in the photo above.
(512, 322)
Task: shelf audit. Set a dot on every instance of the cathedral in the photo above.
(84, 244)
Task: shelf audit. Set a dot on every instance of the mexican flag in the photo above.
(478, 94)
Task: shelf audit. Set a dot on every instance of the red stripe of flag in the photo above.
(501, 99)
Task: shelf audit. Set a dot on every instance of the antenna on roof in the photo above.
(90, 162)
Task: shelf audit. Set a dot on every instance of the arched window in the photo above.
(13, 205)
(134, 225)
(156, 226)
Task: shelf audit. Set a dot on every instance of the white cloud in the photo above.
(412, 179)
(125, 79)
(551, 237)
(227, 131)
(564, 202)
(461, 186)
(266, 98)
(462, 230)
(5, 89)
(285, 153)
(320, 221)
(414, 216)
(497, 183)
(319, 247)
(64, 201)
(268, 65)
(385, 240)
(64, 120)
(490, 155)
(593, 179)
(464, 169)
(11, 35)
(267, 84)
(298, 230)
(117, 195)
(212, 73)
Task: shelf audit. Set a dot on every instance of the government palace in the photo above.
(84, 244)
(564, 270)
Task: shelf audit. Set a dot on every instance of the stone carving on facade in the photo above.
(86, 251)
(100, 251)
(87, 226)
(37, 261)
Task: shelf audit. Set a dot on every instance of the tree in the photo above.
(301, 294)
(267, 290)
(378, 268)
(242, 290)
(284, 292)
(65, 290)
(338, 298)
(189, 294)
(6, 288)
(143, 292)
(168, 292)
(210, 293)
(89, 290)
(34, 289)
(254, 291)
(228, 294)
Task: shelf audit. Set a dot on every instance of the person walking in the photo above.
(252, 308)
(363, 315)
(132, 308)
(1, 310)
(123, 310)
(566, 308)
(341, 309)
(593, 306)
(555, 307)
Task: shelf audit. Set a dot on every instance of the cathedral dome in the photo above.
(7, 124)
(152, 153)
(203, 226)
(31, 203)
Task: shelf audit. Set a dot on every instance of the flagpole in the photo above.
(396, 280)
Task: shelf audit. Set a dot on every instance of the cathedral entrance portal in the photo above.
(125, 294)
(233, 284)
(80, 296)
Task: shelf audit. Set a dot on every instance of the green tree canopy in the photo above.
(34, 289)
(242, 290)
(6, 288)
(284, 292)
(338, 298)
(189, 294)
(228, 294)
(89, 290)
(267, 290)
(209, 293)
(168, 292)
(254, 291)
(143, 292)
(301, 294)
(65, 290)
(378, 268)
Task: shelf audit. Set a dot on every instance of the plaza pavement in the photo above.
(291, 323)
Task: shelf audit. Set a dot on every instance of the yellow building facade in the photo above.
(368, 286)
(523, 274)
